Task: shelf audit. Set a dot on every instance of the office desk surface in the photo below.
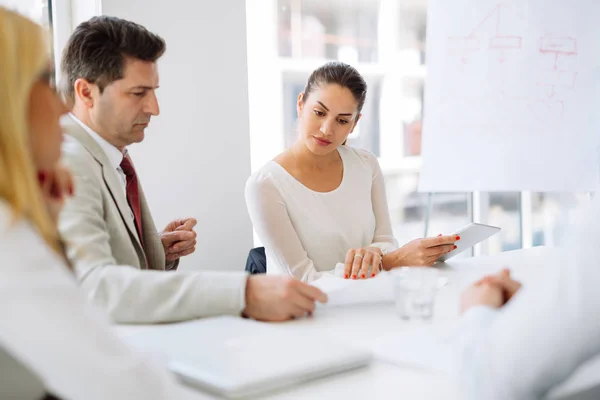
(362, 325)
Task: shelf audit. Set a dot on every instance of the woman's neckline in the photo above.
(344, 169)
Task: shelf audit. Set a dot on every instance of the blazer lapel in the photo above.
(110, 178)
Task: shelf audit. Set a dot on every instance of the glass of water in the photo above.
(415, 289)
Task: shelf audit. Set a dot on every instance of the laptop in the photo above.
(238, 358)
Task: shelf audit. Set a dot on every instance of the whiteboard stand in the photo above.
(428, 207)
(526, 219)
(480, 211)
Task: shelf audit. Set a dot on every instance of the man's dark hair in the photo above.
(97, 49)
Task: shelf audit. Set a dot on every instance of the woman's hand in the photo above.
(481, 294)
(503, 281)
(56, 186)
(492, 290)
(358, 262)
(423, 252)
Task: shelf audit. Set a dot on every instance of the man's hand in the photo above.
(179, 238)
(279, 298)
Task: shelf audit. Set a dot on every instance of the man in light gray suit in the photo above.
(109, 81)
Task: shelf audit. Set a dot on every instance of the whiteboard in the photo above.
(512, 96)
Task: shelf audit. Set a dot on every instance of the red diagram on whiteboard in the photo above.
(489, 35)
(464, 46)
(551, 82)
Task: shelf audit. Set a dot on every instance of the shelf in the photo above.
(305, 67)
(309, 65)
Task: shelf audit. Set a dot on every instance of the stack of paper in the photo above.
(361, 291)
(377, 290)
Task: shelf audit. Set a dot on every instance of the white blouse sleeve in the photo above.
(544, 333)
(384, 236)
(272, 223)
(46, 323)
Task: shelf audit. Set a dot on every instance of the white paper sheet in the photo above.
(377, 290)
(512, 96)
(342, 292)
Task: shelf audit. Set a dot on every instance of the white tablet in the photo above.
(470, 235)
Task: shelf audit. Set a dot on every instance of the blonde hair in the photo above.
(24, 57)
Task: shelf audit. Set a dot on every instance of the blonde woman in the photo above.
(45, 322)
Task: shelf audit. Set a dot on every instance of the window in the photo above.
(552, 213)
(37, 10)
(328, 30)
(504, 211)
(385, 41)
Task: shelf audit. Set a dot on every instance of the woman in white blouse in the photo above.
(321, 202)
(46, 323)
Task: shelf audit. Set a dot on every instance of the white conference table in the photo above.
(363, 325)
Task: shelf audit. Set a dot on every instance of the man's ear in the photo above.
(84, 92)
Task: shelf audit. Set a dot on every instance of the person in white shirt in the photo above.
(520, 342)
(322, 202)
(47, 326)
(109, 79)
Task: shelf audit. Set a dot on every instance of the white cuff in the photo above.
(385, 247)
(478, 314)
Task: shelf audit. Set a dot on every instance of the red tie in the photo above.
(133, 195)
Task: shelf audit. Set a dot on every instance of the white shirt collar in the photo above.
(113, 154)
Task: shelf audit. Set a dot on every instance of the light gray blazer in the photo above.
(104, 247)
(96, 180)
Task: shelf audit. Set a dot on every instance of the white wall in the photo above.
(196, 156)
(264, 82)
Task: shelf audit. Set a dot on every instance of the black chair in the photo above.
(257, 261)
